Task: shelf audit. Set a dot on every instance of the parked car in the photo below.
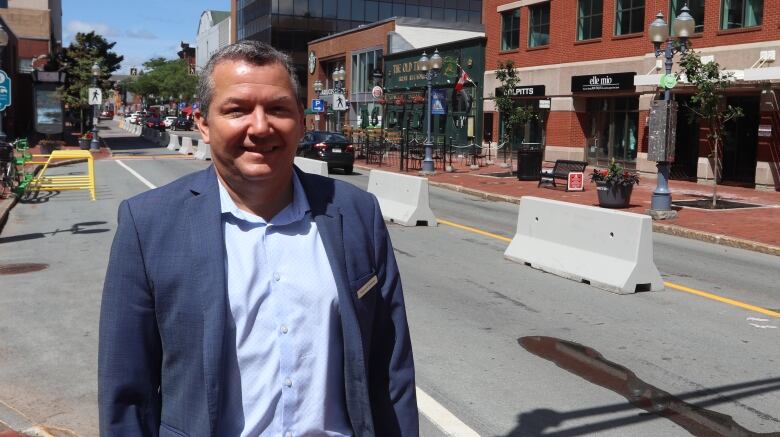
(154, 123)
(168, 121)
(331, 147)
(182, 123)
(108, 114)
(133, 118)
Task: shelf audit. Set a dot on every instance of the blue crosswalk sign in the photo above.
(317, 105)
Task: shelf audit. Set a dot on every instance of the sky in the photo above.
(142, 29)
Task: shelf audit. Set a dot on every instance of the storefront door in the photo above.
(686, 148)
(613, 130)
(740, 141)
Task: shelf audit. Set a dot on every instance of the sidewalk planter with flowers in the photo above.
(614, 185)
(84, 141)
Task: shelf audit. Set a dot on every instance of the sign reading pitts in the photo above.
(603, 82)
(524, 91)
(5, 90)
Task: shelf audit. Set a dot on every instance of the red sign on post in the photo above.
(575, 181)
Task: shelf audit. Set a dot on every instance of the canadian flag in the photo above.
(461, 80)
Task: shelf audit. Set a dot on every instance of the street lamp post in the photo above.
(3, 44)
(683, 27)
(338, 88)
(94, 145)
(317, 91)
(431, 67)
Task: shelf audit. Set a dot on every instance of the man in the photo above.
(250, 298)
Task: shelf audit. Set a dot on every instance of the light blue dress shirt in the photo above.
(285, 372)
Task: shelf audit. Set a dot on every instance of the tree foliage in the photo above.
(512, 110)
(164, 78)
(709, 82)
(77, 60)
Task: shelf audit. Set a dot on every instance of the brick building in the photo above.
(592, 63)
(364, 51)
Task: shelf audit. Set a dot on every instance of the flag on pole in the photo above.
(462, 78)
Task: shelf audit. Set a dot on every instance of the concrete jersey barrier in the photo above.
(611, 250)
(186, 146)
(402, 198)
(313, 166)
(203, 151)
(173, 142)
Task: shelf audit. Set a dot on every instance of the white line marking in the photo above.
(763, 326)
(441, 417)
(756, 319)
(135, 173)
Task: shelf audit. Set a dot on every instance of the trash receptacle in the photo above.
(529, 161)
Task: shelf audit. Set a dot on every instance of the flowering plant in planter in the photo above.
(86, 136)
(615, 174)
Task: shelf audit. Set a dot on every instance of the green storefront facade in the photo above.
(405, 92)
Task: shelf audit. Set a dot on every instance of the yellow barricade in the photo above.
(64, 182)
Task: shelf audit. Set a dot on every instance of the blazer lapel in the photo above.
(330, 227)
(209, 282)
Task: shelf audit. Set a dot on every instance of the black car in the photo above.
(331, 147)
(182, 123)
(154, 123)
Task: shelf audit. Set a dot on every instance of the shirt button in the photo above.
(284, 329)
(288, 434)
(288, 382)
(277, 276)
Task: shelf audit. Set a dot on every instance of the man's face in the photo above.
(254, 122)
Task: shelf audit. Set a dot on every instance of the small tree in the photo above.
(709, 82)
(164, 78)
(513, 112)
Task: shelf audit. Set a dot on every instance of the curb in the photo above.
(662, 228)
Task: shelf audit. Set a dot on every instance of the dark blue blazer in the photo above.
(164, 312)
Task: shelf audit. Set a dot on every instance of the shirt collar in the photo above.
(293, 212)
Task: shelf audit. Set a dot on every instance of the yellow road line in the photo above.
(668, 284)
(722, 299)
(474, 230)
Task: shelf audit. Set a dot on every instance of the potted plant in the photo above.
(614, 185)
(84, 140)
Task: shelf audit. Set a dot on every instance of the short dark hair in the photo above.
(254, 52)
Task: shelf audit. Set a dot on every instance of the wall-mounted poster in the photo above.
(48, 110)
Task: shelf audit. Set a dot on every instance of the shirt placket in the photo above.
(284, 332)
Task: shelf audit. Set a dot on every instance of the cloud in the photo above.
(140, 34)
(76, 26)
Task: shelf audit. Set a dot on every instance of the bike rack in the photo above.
(65, 182)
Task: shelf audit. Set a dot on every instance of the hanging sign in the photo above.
(438, 102)
(5, 90)
(376, 92)
(668, 81)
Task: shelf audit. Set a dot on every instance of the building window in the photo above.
(629, 16)
(363, 65)
(696, 10)
(736, 14)
(539, 25)
(510, 29)
(589, 18)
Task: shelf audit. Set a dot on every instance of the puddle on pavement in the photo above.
(592, 366)
(19, 268)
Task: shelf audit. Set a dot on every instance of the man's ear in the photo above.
(203, 126)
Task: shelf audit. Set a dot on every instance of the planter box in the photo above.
(613, 195)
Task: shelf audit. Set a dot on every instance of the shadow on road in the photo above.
(590, 365)
(76, 229)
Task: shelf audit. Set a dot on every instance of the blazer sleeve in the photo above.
(392, 386)
(129, 349)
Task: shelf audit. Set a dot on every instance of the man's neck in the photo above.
(264, 199)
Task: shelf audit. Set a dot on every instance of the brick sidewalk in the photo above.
(748, 228)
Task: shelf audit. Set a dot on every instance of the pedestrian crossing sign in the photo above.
(339, 102)
(95, 96)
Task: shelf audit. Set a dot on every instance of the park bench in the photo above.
(561, 170)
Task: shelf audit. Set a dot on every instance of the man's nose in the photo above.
(259, 124)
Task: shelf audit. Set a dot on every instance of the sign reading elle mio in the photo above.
(603, 82)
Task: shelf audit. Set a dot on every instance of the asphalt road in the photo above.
(508, 350)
